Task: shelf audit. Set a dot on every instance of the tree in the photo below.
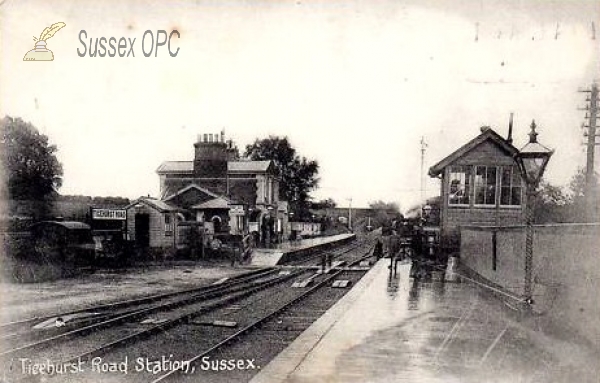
(552, 204)
(584, 197)
(328, 203)
(558, 204)
(298, 175)
(29, 161)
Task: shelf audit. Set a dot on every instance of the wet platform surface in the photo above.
(396, 329)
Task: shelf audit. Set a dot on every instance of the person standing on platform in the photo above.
(393, 263)
(393, 250)
(378, 249)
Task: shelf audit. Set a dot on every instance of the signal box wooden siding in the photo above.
(480, 185)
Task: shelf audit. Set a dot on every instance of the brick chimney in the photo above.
(210, 156)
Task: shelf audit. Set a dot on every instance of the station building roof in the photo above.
(248, 166)
(154, 203)
(187, 167)
(217, 203)
(176, 167)
(189, 187)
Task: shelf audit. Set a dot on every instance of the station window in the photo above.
(460, 185)
(168, 225)
(485, 185)
(511, 186)
(272, 194)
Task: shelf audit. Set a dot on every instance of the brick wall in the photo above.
(243, 191)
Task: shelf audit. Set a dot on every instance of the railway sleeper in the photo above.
(119, 319)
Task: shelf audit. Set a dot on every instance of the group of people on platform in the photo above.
(404, 242)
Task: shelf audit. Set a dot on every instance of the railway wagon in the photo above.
(68, 243)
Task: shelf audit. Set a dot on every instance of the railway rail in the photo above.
(118, 325)
(106, 311)
(109, 319)
(278, 311)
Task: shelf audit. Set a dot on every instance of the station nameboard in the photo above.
(112, 214)
(236, 209)
(253, 226)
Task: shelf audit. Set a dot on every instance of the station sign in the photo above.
(109, 214)
(252, 226)
(236, 209)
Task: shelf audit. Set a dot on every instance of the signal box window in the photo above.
(485, 185)
(460, 185)
(511, 186)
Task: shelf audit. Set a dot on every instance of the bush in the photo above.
(23, 264)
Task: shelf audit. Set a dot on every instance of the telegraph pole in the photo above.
(350, 214)
(591, 117)
(423, 147)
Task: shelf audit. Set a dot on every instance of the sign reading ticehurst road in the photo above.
(236, 209)
(118, 214)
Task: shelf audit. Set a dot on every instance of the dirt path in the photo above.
(19, 301)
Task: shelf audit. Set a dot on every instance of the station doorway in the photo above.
(142, 230)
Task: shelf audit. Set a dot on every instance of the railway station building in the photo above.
(216, 191)
(480, 185)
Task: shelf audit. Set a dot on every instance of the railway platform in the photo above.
(396, 328)
(289, 250)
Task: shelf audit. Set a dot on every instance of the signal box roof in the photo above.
(487, 134)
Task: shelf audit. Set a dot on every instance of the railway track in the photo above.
(118, 317)
(119, 324)
(336, 253)
(281, 317)
(91, 318)
(27, 323)
(88, 315)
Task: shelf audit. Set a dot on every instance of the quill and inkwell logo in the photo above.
(40, 52)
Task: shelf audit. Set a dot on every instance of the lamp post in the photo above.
(532, 160)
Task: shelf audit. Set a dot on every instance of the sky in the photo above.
(354, 85)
